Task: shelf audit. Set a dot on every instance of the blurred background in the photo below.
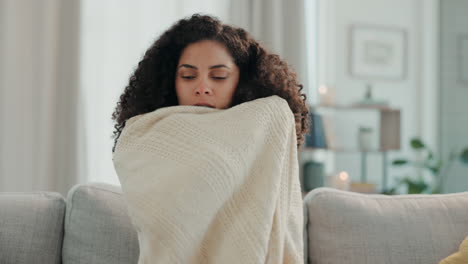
(387, 81)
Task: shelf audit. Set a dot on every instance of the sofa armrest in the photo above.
(346, 227)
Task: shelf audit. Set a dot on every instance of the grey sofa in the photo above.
(92, 226)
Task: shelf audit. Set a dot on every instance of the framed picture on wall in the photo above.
(463, 58)
(377, 52)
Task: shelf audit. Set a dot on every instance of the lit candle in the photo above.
(341, 181)
(325, 95)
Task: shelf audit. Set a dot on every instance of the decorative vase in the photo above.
(313, 175)
(365, 138)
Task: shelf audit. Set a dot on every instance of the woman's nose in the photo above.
(203, 88)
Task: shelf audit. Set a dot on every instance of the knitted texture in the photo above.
(206, 185)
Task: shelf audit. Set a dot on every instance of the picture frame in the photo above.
(463, 58)
(377, 52)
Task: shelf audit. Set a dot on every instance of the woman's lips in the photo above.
(204, 104)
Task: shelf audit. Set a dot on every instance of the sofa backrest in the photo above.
(346, 227)
(340, 227)
(98, 229)
(31, 227)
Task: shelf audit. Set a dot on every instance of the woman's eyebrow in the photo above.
(219, 66)
(187, 66)
(211, 67)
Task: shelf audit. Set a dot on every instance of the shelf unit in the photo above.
(389, 134)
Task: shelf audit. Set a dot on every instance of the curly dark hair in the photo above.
(262, 74)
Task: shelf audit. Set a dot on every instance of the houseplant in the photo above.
(428, 161)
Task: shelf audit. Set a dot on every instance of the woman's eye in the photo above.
(219, 78)
(188, 77)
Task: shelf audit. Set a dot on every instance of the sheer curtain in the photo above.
(285, 28)
(38, 91)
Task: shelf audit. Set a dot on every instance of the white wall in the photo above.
(414, 95)
(453, 93)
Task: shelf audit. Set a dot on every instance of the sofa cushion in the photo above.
(98, 229)
(346, 227)
(31, 227)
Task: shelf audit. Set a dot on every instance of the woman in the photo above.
(159, 82)
(206, 149)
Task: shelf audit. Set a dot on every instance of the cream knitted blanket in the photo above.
(206, 185)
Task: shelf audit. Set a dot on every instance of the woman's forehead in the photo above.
(206, 54)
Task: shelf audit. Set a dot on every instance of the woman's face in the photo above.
(206, 75)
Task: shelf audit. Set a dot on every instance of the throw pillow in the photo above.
(459, 257)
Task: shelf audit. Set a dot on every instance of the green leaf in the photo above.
(434, 170)
(416, 187)
(399, 162)
(436, 190)
(391, 191)
(430, 156)
(464, 156)
(417, 143)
